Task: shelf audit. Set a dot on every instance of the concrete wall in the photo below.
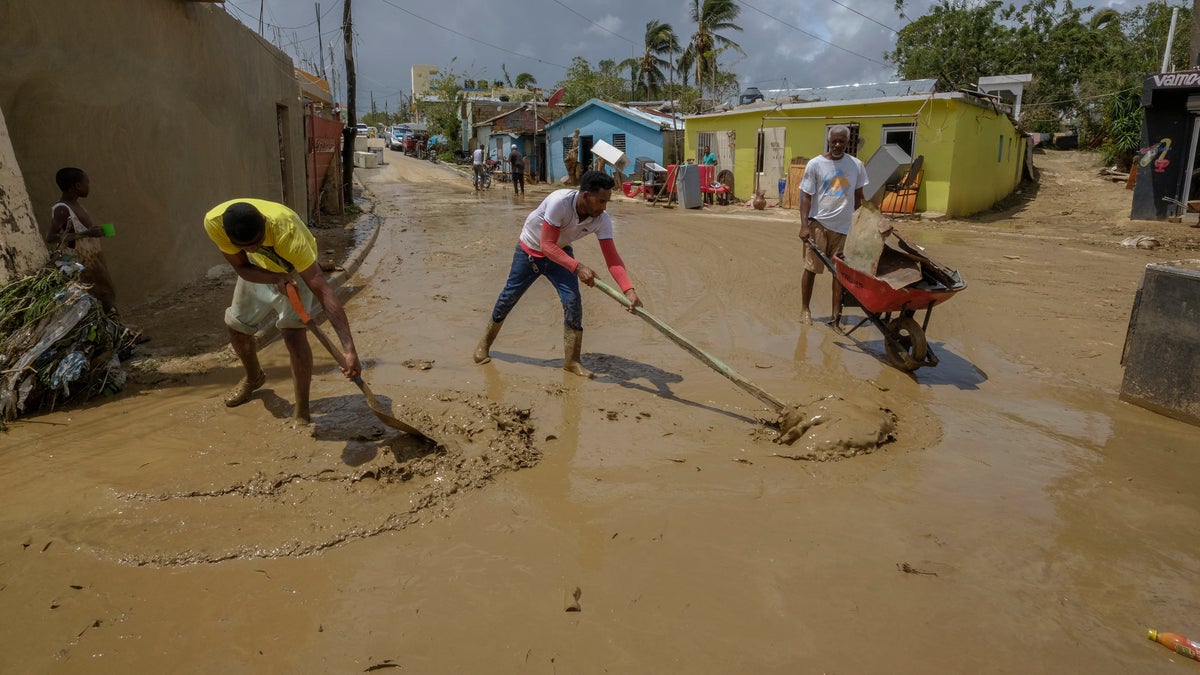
(988, 154)
(964, 171)
(170, 106)
(21, 246)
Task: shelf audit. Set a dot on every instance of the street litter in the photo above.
(1141, 241)
(59, 345)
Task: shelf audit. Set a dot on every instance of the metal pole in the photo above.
(320, 52)
(349, 131)
(1170, 40)
(535, 131)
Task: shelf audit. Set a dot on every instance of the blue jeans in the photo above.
(525, 270)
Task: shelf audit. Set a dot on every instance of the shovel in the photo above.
(372, 403)
(792, 420)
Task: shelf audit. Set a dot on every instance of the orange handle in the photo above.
(294, 298)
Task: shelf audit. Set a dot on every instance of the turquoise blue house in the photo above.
(639, 131)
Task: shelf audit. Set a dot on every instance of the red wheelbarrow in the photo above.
(893, 310)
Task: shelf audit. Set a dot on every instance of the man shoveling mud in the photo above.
(269, 247)
(543, 249)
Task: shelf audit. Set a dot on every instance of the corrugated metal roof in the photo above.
(655, 119)
(844, 92)
(855, 92)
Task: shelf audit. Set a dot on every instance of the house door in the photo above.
(585, 152)
(724, 149)
(770, 160)
(721, 143)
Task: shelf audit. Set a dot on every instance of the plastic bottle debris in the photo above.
(1177, 643)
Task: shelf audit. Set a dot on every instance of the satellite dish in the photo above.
(555, 98)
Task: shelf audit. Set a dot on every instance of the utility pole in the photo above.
(321, 53)
(351, 111)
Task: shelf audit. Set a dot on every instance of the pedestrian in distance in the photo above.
(516, 164)
(543, 249)
(269, 247)
(830, 192)
(477, 167)
(71, 227)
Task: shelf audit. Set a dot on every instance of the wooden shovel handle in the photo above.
(688, 346)
(376, 407)
(306, 318)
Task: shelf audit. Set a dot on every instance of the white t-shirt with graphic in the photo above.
(832, 184)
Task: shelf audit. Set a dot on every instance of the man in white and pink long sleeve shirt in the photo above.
(545, 249)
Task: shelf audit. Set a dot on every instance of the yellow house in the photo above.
(973, 155)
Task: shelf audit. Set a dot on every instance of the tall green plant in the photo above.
(1123, 117)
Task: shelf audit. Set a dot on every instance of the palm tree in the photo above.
(523, 80)
(711, 16)
(660, 39)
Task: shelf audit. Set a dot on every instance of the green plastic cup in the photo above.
(109, 230)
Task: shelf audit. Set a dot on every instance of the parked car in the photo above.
(395, 138)
(362, 130)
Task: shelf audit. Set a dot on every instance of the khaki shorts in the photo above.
(828, 241)
(253, 303)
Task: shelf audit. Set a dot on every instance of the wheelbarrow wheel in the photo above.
(911, 337)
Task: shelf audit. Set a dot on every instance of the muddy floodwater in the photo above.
(1015, 518)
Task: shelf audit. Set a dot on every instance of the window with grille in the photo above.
(619, 142)
(852, 144)
(704, 139)
(567, 147)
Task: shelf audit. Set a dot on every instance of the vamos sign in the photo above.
(1176, 80)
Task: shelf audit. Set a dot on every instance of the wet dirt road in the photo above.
(161, 531)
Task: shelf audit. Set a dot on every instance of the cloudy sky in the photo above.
(792, 43)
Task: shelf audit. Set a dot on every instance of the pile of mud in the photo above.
(834, 428)
(308, 502)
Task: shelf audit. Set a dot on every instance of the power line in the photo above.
(864, 16)
(815, 37)
(1083, 98)
(572, 10)
(472, 39)
(332, 7)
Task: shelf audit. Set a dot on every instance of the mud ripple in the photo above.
(294, 513)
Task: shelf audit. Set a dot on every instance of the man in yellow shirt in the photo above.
(269, 246)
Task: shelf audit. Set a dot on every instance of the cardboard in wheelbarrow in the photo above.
(898, 270)
(864, 242)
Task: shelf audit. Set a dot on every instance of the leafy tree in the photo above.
(1086, 69)
(1110, 91)
(581, 82)
(956, 42)
(711, 16)
(442, 110)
